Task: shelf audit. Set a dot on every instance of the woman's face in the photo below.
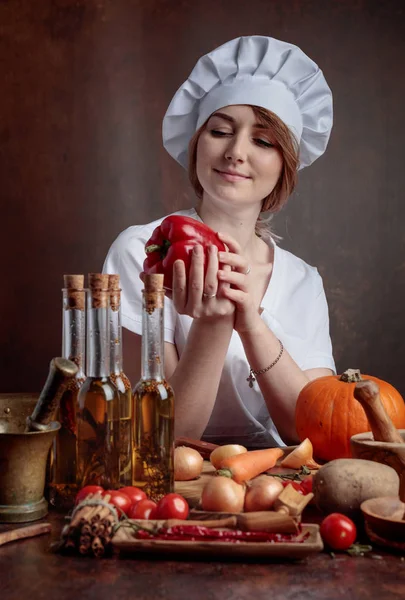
(237, 161)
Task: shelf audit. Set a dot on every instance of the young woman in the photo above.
(242, 340)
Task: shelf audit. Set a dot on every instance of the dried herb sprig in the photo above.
(359, 549)
(292, 476)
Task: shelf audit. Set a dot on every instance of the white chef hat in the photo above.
(260, 71)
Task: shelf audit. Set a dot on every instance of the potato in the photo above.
(343, 484)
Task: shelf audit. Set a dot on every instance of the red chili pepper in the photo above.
(198, 532)
(175, 239)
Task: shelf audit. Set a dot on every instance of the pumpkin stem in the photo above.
(351, 376)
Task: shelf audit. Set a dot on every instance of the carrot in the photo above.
(242, 467)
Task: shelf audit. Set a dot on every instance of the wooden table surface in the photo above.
(29, 570)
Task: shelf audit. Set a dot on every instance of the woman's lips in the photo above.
(231, 176)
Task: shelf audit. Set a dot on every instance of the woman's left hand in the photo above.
(247, 316)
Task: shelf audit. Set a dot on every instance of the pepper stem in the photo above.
(156, 248)
(152, 248)
(351, 376)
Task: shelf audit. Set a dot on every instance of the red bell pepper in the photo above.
(175, 239)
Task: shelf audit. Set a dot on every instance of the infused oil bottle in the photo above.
(62, 487)
(153, 401)
(120, 381)
(98, 416)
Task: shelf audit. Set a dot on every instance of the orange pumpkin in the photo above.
(328, 414)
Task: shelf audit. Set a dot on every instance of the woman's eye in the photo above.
(264, 143)
(218, 133)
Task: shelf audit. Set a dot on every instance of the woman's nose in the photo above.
(236, 149)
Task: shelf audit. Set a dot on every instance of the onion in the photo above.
(188, 463)
(262, 492)
(219, 454)
(300, 456)
(222, 494)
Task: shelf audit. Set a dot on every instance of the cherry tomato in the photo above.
(338, 531)
(134, 493)
(119, 500)
(88, 489)
(306, 485)
(172, 506)
(153, 513)
(142, 509)
(296, 485)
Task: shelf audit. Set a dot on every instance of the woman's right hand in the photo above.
(197, 295)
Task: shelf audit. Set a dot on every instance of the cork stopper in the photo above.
(153, 282)
(98, 281)
(115, 291)
(74, 282)
(153, 292)
(98, 284)
(114, 282)
(75, 294)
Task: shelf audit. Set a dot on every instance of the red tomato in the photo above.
(153, 513)
(296, 485)
(88, 489)
(134, 493)
(172, 506)
(338, 531)
(142, 509)
(121, 501)
(306, 485)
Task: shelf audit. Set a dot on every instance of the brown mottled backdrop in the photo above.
(84, 86)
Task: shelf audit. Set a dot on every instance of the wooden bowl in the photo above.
(384, 520)
(363, 446)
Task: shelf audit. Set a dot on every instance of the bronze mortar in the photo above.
(23, 458)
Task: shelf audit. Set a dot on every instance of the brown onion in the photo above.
(222, 494)
(301, 456)
(188, 463)
(222, 452)
(262, 492)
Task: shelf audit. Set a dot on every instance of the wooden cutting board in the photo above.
(125, 541)
(192, 490)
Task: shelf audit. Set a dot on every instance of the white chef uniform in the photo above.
(294, 308)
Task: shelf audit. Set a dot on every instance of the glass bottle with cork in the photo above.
(98, 416)
(120, 381)
(153, 401)
(62, 487)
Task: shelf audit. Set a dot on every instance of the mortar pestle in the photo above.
(26, 435)
(384, 516)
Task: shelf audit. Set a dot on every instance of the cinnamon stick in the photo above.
(97, 547)
(213, 523)
(90, 530)
(267, 520)
(24, 532)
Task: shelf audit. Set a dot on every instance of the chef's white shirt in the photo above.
(294, 308)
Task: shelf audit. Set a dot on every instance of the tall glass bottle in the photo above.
(153, 401)
(63, 487)
(98, 413)
(120, 381)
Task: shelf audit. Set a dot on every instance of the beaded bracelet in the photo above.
(252, 374)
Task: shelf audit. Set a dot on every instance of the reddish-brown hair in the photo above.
(286, 144)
